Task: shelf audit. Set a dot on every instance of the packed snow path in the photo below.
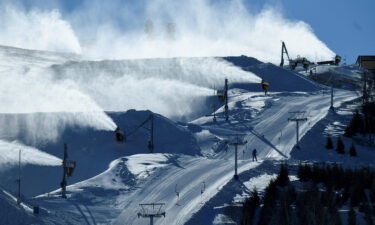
(263, 132)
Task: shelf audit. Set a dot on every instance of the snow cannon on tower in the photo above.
(222, 94)
(265, 86)
(120, 137)
(336, 61)
(68, 169)
(293, 63)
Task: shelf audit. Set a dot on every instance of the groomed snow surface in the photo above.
(192, 167)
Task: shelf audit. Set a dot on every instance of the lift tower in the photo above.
(68, 168)
(151, 210)
(236, 142)
(226, 99)
(150, 144)
(283, 50)
(331, 107)
(19, 178)
(297, 117)
(213, 106)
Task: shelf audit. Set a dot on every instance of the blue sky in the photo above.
(346, 26)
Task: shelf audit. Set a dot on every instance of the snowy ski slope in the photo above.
(191, 157)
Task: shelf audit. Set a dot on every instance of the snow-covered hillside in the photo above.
(191, 169)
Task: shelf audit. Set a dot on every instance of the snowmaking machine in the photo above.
(119, 135)
(222, 94)
(68, 169)
(293, 63)
(223, 97)
(265, 86)
(336, 61)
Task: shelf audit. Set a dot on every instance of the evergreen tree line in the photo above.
(282, 204)
(340, 147)
(364, 122)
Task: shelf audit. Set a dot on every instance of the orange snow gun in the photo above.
(119, 135)
(265, 85)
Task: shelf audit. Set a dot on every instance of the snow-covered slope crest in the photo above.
(103, 193)
(125, 172)
(280, 79)
(343, 76)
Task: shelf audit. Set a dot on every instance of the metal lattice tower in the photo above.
(151, 210)
(236, 142)
(330, 82)
(64, 182)
(150, 144)
(226, 108)
(213, 106)
(19, 178)
(331, 107)
(283, 50)
(365, 95)
(68, 168)
(297, 117)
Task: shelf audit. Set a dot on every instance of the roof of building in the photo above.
(366, 58)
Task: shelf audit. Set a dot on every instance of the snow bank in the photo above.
(142, 165)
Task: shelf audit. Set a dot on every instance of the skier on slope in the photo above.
(255, 155)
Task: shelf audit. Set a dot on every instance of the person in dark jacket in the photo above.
(255, 155)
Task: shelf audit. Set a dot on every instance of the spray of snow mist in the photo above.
(9, 155)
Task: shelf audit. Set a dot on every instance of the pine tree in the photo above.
(372, 192)
(368, 109)
(356, 125)
(352, 150)
(329, 144)
(367, 212)
(269, 201)
(336, 217)
(340, 146)
(301, 173)
(249, 207)
(283, 210)
(282, 178)
(357, 194)
(349, 131)
(352, 217)
(255, 198)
